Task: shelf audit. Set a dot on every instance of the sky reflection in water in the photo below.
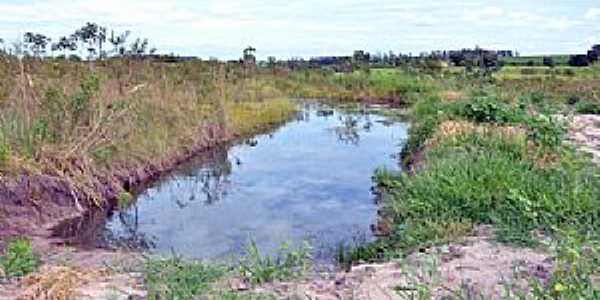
(309, 179)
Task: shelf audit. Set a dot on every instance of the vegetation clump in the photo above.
(18, 259)
(289, 263)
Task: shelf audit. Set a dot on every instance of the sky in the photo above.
(222, 28)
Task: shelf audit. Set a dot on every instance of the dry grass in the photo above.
(451, 129)
(63, 119)
(57, 283)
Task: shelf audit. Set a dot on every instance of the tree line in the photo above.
(90, 38)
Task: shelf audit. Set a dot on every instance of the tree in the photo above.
(249, 58)
(118, 42)
(93, 36)
(140, 47)
(36, 42)
(64, 44)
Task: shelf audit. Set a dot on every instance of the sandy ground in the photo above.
(475, 267)
(585, 134)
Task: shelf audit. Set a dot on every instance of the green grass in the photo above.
(524, 181)
(178, 278)
(18, 259)
(175, 278)
(289, 263)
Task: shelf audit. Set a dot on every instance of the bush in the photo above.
(489, 109)
(18, 259)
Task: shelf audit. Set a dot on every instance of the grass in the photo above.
(288, 264)
(174, 278)
(80, 125)
(177, 278)
(18, 259)
(498, 158)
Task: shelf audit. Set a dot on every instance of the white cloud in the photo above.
(592, 14)
(484, 14)
(306, 27)
(561, 24)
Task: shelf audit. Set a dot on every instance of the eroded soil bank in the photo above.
(32, 204)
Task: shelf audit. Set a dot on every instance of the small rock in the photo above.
(237, 284)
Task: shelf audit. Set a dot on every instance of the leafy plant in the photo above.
(546, 131)
(18, 259)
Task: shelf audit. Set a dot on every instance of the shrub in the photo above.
(18, 259)
(489, 109)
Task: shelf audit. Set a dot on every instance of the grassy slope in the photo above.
(65, 120)
(496, 157)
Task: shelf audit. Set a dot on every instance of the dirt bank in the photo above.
(31, 204)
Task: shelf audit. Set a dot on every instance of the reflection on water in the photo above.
(308, 180)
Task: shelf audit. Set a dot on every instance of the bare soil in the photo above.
(476, 266)
(585, 134)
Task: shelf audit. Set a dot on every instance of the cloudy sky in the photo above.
(221, 28)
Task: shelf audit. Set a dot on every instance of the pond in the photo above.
(307, 180)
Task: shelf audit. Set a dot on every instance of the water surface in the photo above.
(310, 179)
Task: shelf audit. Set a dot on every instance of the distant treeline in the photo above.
(91, 41)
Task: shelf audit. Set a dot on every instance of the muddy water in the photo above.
(308, 180)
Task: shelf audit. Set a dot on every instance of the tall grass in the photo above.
(62, 119)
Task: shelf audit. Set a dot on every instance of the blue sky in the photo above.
(222, 28)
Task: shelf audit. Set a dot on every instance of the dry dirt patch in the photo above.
(473, 266)
(585, 134)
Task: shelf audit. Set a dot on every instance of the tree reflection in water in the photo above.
(351, 126)
(205, 177)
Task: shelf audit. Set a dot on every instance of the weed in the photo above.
(288, 263)
(18, 259)
(174, 278)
